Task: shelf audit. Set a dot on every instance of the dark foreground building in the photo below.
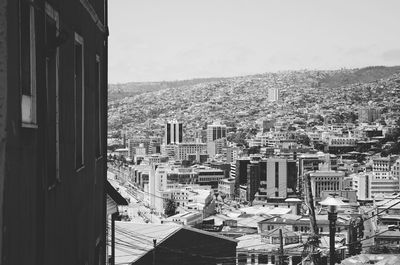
(53, 100)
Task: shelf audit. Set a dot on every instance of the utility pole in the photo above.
(313, 239)
(154, 251)
(281, 258)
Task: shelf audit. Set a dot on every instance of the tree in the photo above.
(253, 150)
(170, 207)
(303, 139)
(223, 196)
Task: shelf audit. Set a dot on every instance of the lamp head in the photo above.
(333, 204)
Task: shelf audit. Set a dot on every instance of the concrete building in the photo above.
(226, 187)
(383, 163)
(370, 184)
(325, 180)
(209, 176)
(232, 153)
(216, 147)
(273, 94)
(186, 218)
(396, 168)
(241, 173)
(278, 179)
(267, 125)
(136, 142)
(311, 162)
(368, 114)
(253, 180)
(173, 132)
(181, 150)
(168, 150)
(215, 131)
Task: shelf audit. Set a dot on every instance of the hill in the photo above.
(354, 76)
(119, 91)
(240, 101)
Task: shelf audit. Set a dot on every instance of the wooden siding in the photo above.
(67, 223)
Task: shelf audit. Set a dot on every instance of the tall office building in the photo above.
(278, 178)
(273, 94)
(368, 114)
(253, 179)
(215, 131)
(241, 173)
(173, 132)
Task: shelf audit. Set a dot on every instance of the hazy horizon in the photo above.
(233, 76)
(154, 41)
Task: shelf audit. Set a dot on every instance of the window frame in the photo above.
(78, 40)
(99, 111)
(28, 101)
(54, 15)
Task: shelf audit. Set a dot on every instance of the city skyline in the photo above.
(187, 39)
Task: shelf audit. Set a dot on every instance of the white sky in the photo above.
(154, 40)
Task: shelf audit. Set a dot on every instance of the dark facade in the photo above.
(226, 167)
(173, 133)
(241, 173)
(189, 246)
(253, 180)
(53, 127)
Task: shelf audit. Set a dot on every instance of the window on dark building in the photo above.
(253, 259)
(98, 107)
(262, 259)
(242, 259)
(277, 175)
(51, 101)
(27, 47)
(79, 102)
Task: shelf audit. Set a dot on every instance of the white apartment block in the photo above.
(370, 184)
(181, 150)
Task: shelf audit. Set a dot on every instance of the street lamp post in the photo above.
(332, 217)
(333, 204)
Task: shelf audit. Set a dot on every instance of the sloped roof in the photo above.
(115, 195)
(285, 232)
(133, 240)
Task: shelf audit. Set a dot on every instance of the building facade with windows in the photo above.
(215, 131)
(53, 127)
(181, 150)
(325, 180)
(173, 132)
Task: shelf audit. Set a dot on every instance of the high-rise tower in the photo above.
(173, 132)
(215, 131)
(273, 94)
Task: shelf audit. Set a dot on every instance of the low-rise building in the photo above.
(323, 180)
(181, 150)
(186, 218)
(226, 187)
(371, 184)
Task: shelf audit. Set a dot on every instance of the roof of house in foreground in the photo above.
(133, 240)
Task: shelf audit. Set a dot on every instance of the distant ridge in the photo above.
(361, 75)
(118, 91)
(328, 78)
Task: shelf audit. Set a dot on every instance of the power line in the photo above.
(397, 196)
(381, 211)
